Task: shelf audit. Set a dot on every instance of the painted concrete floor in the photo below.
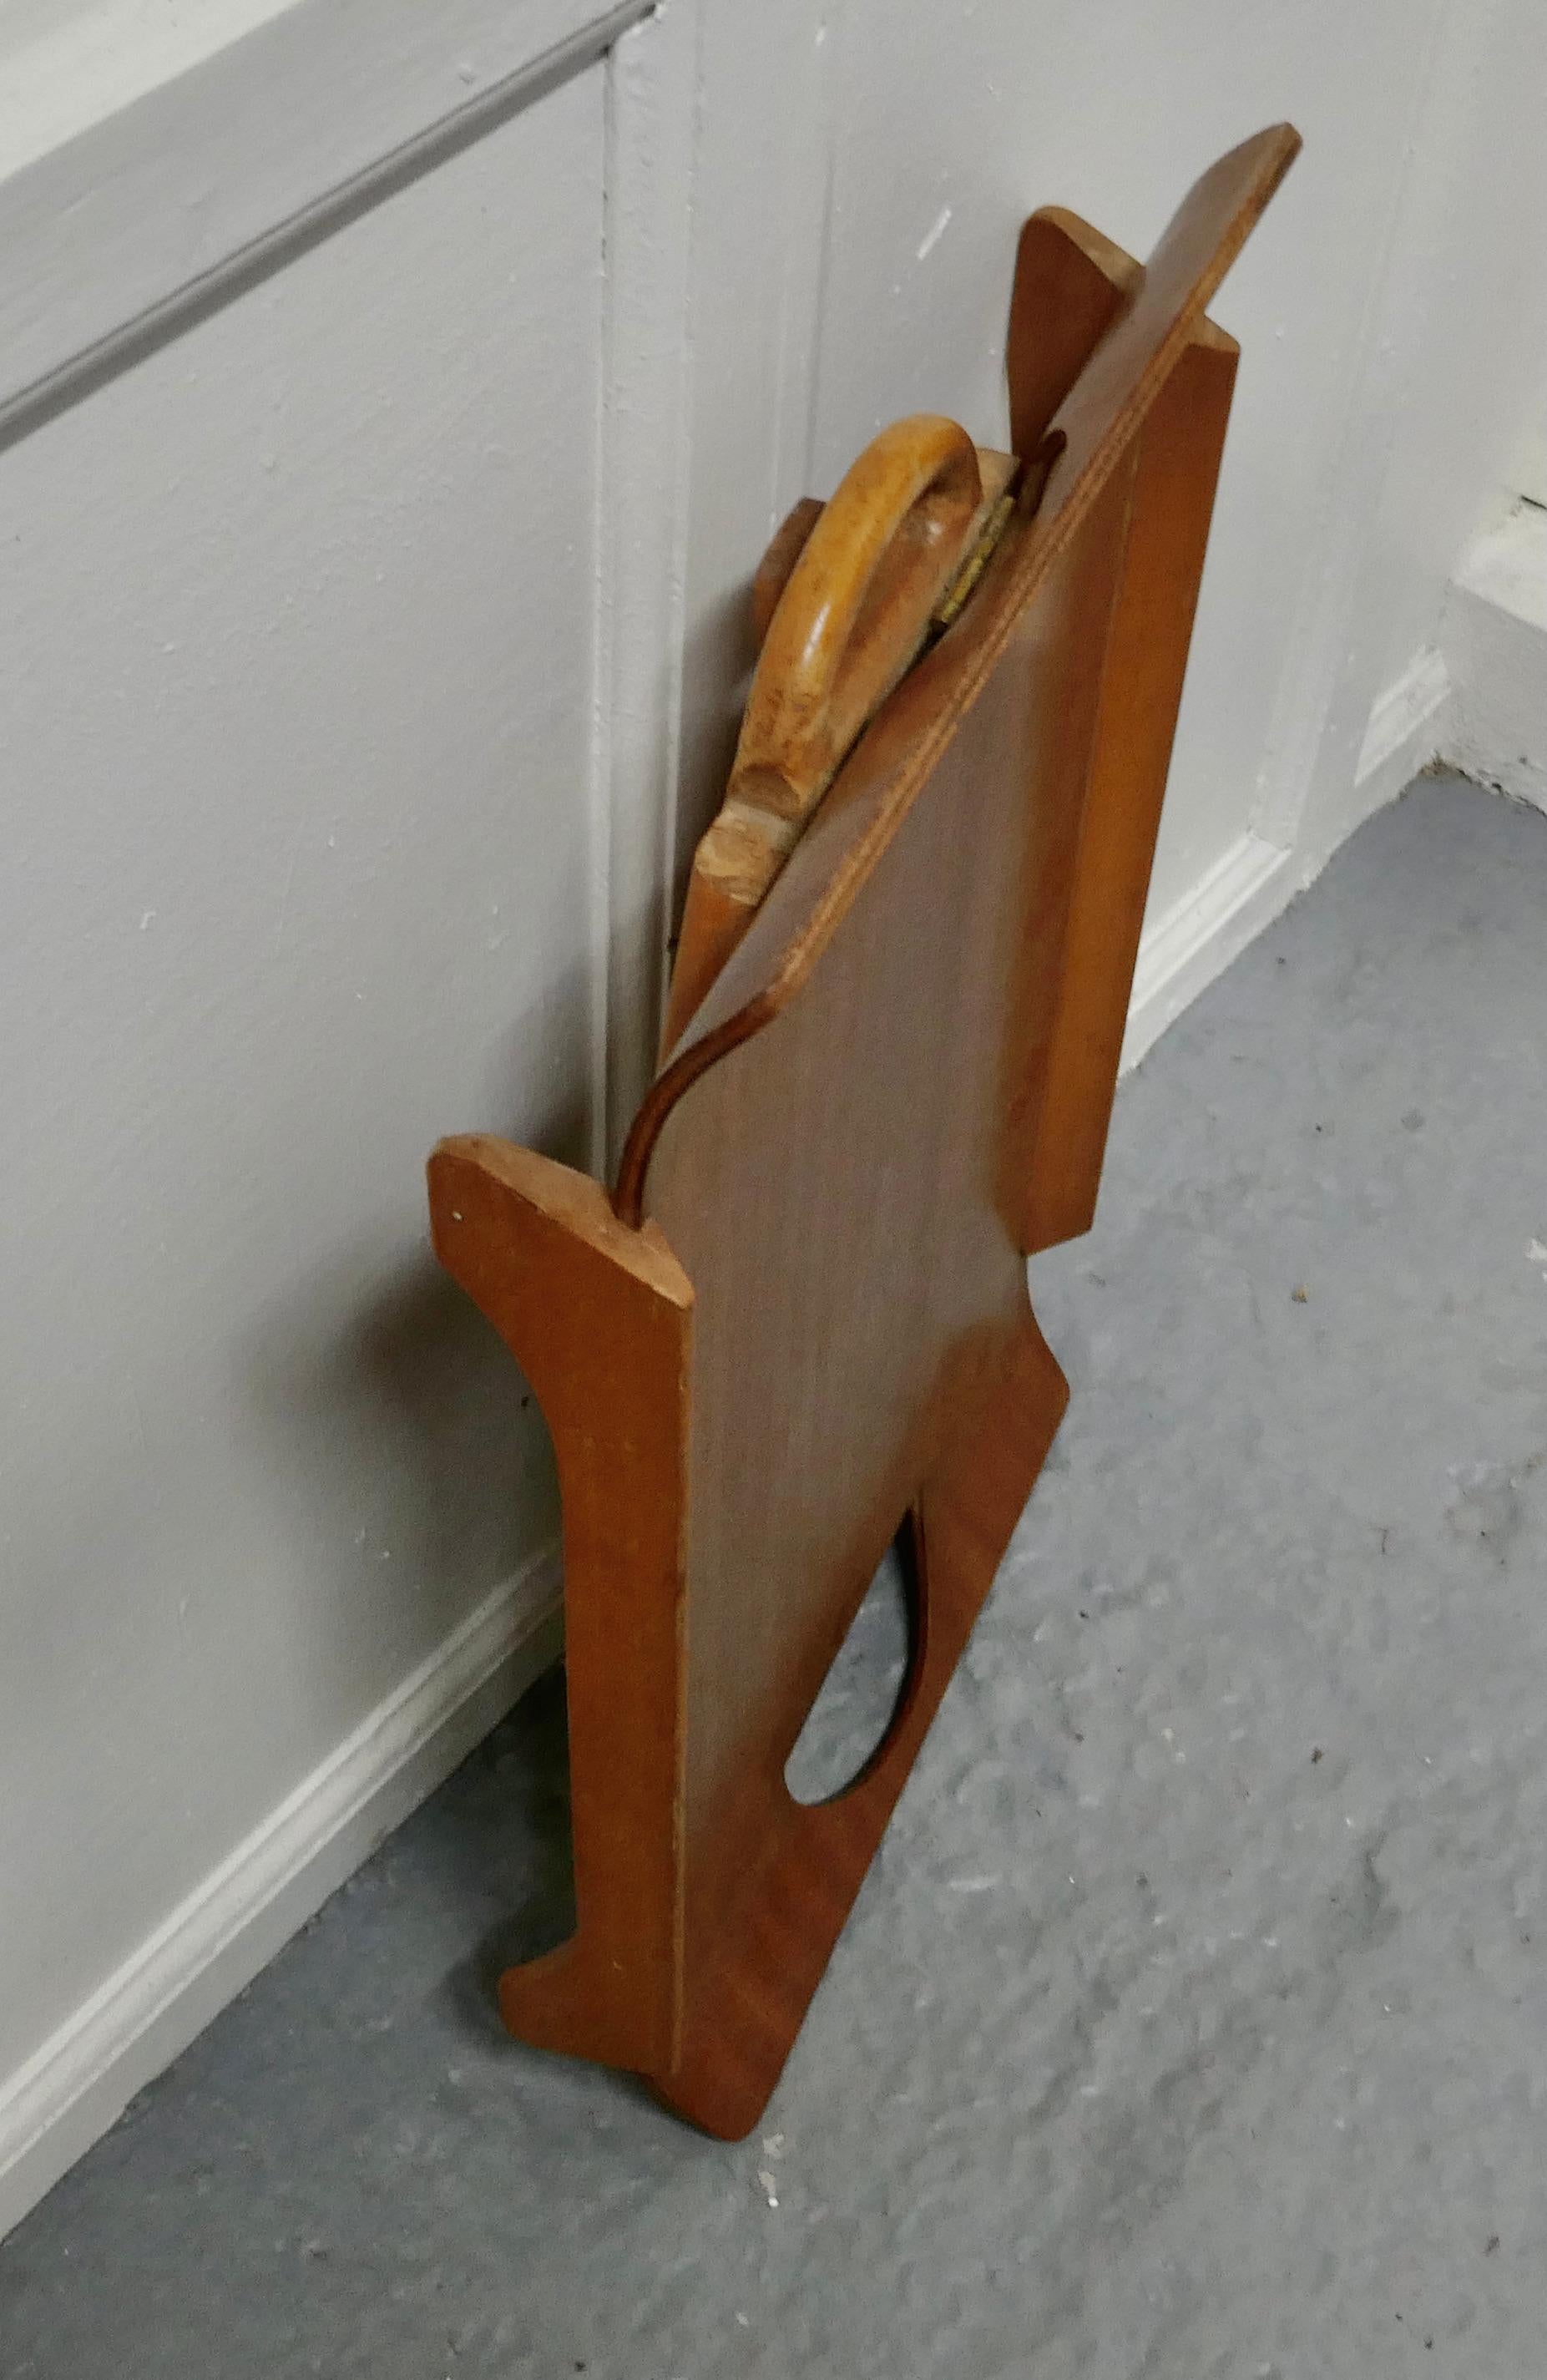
(1194, 2020)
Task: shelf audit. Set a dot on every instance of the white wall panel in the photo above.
(298, 618)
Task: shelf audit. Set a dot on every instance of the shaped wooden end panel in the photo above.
(598, 1318)
(1143, 668)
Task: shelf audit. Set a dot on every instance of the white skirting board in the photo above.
(1196, 939)
(1496, 639)
(1407, 726)
(215, 1943)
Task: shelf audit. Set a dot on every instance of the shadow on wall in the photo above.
(418, 1470)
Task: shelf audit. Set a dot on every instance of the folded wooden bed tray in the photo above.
(799, 1320)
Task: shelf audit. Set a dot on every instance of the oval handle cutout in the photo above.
(858, 1699)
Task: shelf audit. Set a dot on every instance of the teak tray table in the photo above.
(800, 1319)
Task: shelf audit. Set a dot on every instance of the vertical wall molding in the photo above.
(763, 176)
(644, 432)
(804, 211)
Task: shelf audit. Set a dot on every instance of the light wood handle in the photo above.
(855, 609)
(853, 612)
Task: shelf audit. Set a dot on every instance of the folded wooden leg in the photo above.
(598, 1318)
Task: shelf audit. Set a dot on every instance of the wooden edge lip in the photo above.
(1207, 334)
(695, 1056)
(1258, 165)
(573, 1202)
(1124, 272)
(1279, 144)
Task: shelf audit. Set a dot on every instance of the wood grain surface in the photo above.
(897, 1084)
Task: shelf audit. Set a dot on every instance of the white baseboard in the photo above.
(1410, 724)
(212, 1945)
(1404, 731)
(1196, 939)
(1495, 633)
(1199, 935)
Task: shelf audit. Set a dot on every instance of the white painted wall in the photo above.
(390, 426)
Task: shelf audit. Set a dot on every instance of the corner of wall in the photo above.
(1494, 634)
(1196, 939)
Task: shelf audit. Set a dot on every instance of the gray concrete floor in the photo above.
(1193, 2020)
